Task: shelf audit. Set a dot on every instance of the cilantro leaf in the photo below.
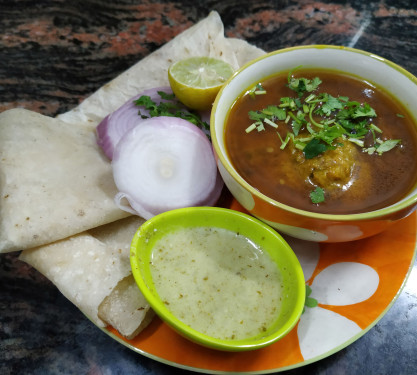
(166, 96)
(355, 129)
(302, 85)
(256, 115)
(272, 113)
(329, 133)
(256, 90)
(387, 145)
(364, 111)
(275, 112)
(317, 195)
(170, 108)
(314, 148)
(330, 104)
(286, 101)
(309, 301)
(147, 102)
(298, 121)
(320, 121)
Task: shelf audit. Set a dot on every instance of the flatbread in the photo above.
(91, 269)
(54, 181)
(206, 38)
(126, 309)
(86, 268)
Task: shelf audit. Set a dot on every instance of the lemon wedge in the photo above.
(197, 80)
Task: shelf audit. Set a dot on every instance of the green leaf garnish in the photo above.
(256, 115)
(146, 102)
(387, 145)
(170, 108)
(338, 117)
(302, 85)
(364, 110)
(309, 301)
(314, 148)
(329, 134)
(276, 112)
(166, 96)
(257, 90)
(330, 104)
(317, 122)
(317, 195)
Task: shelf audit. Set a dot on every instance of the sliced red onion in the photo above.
(116, 124)
(165, 163)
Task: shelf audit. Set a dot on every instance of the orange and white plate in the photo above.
(352, 286)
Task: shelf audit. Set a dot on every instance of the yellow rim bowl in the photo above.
(375, 69)
(261, 234)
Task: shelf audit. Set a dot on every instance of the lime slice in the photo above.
(197, 80)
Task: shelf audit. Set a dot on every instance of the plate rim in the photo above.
(279, 369)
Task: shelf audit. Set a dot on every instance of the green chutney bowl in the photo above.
(218, 284)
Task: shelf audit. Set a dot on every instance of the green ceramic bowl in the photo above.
(275, 250)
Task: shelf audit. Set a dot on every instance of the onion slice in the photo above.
(165, 163)
(112, 128)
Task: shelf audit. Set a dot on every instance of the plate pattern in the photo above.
(352, 285)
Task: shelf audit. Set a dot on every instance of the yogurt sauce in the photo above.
(217, 282)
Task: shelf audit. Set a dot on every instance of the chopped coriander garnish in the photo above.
(313, 148)
(309, 301)
(317, 122)
(330, 104)
(326, 119)
(285, 141)
(257, 90)
(317, 195)
(302, 85)
(170, 108)
(250, 128)
(386, 145)
(269, 122)
(256, 115)
(356, 141)
(374, 127)
(166, 96)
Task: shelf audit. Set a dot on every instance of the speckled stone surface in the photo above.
(53, 54)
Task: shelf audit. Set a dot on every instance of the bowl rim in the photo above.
(398, 206)
(199, 337)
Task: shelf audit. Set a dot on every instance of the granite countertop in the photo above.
(55, 53)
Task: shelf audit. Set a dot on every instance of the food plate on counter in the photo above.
(64, 218)
(350, 287)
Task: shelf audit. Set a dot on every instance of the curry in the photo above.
(323, 141)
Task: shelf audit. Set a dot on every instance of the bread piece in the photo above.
(126, 309)
(86, 268)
